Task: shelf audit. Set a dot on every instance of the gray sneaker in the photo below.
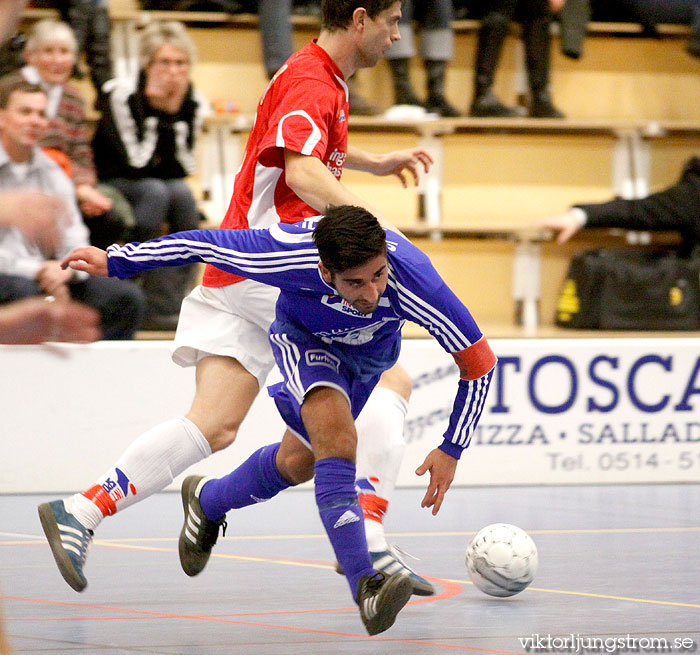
(69, 540)
(381, 598)
(390, 561)
(198, 534)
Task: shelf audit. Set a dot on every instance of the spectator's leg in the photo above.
(437, 49)
(98, 48)
(399, 56)
(13, 287)
(78, 14)
(694, 41)
(538, 40)
(276, 33)
(120, 304)
(149, 200)
(492, 34)
(166, 287)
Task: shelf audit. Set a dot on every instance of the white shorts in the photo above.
(232, 321)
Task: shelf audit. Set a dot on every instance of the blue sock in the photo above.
(254, 481)
(342, 517)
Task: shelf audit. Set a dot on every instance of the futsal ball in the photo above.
(501, 559)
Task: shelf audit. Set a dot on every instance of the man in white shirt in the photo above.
(25, 268)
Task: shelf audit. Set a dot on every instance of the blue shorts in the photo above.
(306, 363)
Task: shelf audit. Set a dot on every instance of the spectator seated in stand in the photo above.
(26, 270)
(144, 146)
(90, 22)
(50, 54)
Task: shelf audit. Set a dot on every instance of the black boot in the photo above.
(537, 39)
(437, 102)
(403, 91)
(492, 34)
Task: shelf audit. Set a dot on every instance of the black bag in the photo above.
(631, 290)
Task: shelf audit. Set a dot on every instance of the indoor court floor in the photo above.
(616, 562)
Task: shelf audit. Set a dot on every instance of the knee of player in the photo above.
(397, 380)
(219, 435)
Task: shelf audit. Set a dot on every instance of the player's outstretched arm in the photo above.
(90, 259)
(442, 469)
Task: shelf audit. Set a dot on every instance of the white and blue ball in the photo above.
(501, 559)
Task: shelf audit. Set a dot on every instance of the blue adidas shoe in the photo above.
(69, 540)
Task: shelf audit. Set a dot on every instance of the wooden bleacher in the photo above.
(633, 108)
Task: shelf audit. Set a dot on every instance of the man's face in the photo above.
(361, 286)
(54, 60)
(23, 122)
(378, 35)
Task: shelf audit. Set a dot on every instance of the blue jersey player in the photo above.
(346, 288)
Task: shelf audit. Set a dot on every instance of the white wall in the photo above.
(559, 411)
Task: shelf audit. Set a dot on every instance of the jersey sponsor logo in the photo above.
(341, 305)
(348, 517)
(355, 336)
(322, 358)
(341, 118)
(335, 162)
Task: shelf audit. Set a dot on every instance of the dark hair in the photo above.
(15, 82)
(337, 14)
(347, 237)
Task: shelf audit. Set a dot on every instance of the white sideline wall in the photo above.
(559, 411)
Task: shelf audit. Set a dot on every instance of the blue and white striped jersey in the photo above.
(285, 256)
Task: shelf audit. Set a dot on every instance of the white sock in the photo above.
(147, 466)
(380, 448)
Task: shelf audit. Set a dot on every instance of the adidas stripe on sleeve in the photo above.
(255, 254)
(426, 299)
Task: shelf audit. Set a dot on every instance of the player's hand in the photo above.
(90, 259)
(54, 280)
(401, 162)
(39, 216)
(33, 320)
(92, 201)
(565, 225)
(442, 469)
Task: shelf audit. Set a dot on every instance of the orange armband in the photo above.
(476, 361)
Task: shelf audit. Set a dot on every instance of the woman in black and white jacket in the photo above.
(144, 146)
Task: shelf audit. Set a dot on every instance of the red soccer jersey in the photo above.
(304, 109)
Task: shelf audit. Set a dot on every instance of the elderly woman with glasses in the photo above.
(50, 53)
(144, 146)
